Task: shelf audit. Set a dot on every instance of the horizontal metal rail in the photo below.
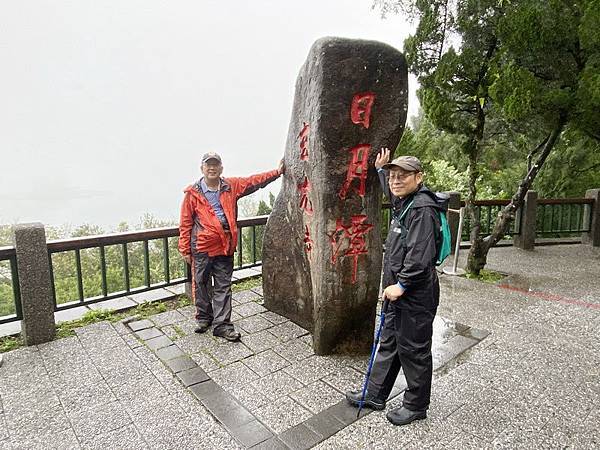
(156, 264)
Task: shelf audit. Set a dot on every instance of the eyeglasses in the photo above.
(401, 175)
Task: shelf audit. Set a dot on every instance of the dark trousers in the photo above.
(212, 299)
(405, 343)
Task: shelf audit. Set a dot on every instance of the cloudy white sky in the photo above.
(107, 105)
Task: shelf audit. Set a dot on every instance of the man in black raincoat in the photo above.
(411, 284)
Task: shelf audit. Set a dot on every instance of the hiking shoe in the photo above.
(201, 327)
(403, 416)
(228, 333)
(354, 397)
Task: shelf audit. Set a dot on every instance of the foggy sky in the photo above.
(107, 106)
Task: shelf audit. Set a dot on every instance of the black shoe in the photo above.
(228, 333)
(354, 397)
(403, 416)
(201, 327)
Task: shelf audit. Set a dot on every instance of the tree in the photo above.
(523, 69)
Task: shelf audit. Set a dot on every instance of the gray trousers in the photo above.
(405, 343)
(211, 287)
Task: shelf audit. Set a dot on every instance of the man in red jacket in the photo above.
(208, 237)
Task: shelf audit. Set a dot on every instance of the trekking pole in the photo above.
(373, 351)
(455, 270)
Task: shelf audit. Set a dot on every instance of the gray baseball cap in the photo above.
(211, 155)
(410, 163)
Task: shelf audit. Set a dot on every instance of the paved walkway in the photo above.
(532, 383)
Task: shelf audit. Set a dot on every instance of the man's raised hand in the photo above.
(383, 158)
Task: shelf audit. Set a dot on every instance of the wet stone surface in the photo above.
(106, 387)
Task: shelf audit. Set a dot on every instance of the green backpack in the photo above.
(444, 238)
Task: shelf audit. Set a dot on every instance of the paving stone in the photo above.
(180, 364)
(205, 390)
(249, 396)
(277, 385)
(249, 309)
(294, 350)
(245, 296)
(89, 423)
(288, 330)
(451, 349)
(115, 304)
(316, 396)
(168, 318)
(300, 437)
(272, 416)
(345, 413)
(188, 312)
(192, 376)
(205, 361)
(140, 325)
(324, 424)
(66, 315)
(271, 444)
(260, 341)
(251, 433)
(123, 438)
(152, 296)
(229, 412)
(177, 289)
(312, 368)
(173, 332)
(235, 375)
(148, 333)
(170, 352)
(229, 352)
(159, 342)
(274, 318)
(266, 362)
(344, 378)
(254, 324)
(62, 440)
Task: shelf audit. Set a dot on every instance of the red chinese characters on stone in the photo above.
(304, 141)
(305, 202)
(355, 236)
(308, 242)
(357, 169)
(360, 111)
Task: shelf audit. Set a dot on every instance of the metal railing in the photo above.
(92, 269)
(487, 211)
(563, 217)
(10, 311)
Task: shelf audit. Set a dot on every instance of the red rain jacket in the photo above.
(199, 227)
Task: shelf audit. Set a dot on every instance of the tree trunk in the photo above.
(507, 215)
(477, 254)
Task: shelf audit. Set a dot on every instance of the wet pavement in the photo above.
(533, 382)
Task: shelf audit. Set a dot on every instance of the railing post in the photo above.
(453, 219)
(592, 216)
(188, 283)
(526, 237)
(35, 284)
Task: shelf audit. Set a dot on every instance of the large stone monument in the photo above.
(322, 249)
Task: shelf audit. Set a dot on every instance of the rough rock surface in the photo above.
(322, 248)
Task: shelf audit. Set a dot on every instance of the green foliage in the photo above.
(249, 283)
(487, 276)
(8, 343)
(65, 329)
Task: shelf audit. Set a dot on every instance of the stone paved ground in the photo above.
(533, 383)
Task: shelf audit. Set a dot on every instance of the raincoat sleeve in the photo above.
(420, 248)
(186, 221)
(382, 174)
(247, 185)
